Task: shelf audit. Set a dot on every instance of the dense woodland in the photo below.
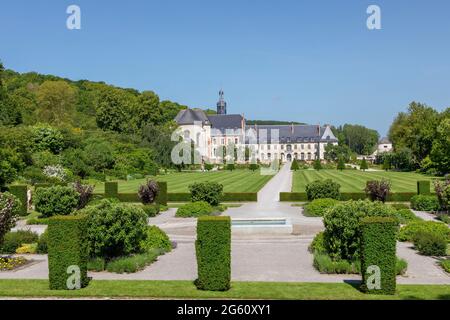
(54, 129)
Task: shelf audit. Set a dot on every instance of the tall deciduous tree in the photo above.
(360, 139)
(440, 152)
(56, 102)
(416, 130)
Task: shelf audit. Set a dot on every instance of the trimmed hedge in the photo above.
(400, 196)
(240, 196)
(126, 197)
(112, 189)
(293, 196)
(179, 197)
(67, 246)
(353, 196)
(227, 197)
(20, 192)
(162, 197)
(378, 248)
(393, 197)
(213, 250)
(423, 187)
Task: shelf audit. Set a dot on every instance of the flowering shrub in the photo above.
(56, 171)
(7, 263)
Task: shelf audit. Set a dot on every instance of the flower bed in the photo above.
(11, 263)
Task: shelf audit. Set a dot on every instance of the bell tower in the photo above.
(221, 104)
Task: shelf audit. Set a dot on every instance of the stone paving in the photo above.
(282, 258)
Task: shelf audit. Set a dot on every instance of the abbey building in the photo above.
(212, 134)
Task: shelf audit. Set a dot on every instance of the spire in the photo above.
(221, 104)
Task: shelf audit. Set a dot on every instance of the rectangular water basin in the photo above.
(261, 225)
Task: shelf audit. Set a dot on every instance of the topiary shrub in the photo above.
(253, 166)
(67, 248)
(318, 207)
(317, 165)
(56, 200)
(408, 232)
(156, 239)
(21, 193)
(378, 190)
(364, 166)
(114, 229)
(423, 187)
(209, 166)
(341, 164)
(111, 189)
(425, 203)
(9, 213)
(294, 165)
(213, 250)
(148, 192)
(323, 189)
(230, 167)
(211, 192)
(162, 196)
(430, 244)
(14, 240)
(342, 226)
(194, 209)
(378, 248)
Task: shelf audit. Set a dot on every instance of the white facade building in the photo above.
(211, 134)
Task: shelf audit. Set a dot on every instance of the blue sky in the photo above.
(308, 61)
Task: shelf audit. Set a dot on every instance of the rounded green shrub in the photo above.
(56, 200)
(408, 232)
(115, 229)
(15, 239)
(445, 264)
(405, 216)
(156, 239)
(194, 209)
(211, 192)
(425, 203)
(318, 244)
(323, 189)
(430, 244)
(151, 210)
(42, 247)
(342, 226)
(318, 207)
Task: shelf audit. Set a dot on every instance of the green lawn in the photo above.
(233, 181)
(239, 290)
(355, 180)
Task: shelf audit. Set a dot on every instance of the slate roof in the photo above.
(226, 121)
(287, 133)
(190, 116)
(384, 141)
(291, 133)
